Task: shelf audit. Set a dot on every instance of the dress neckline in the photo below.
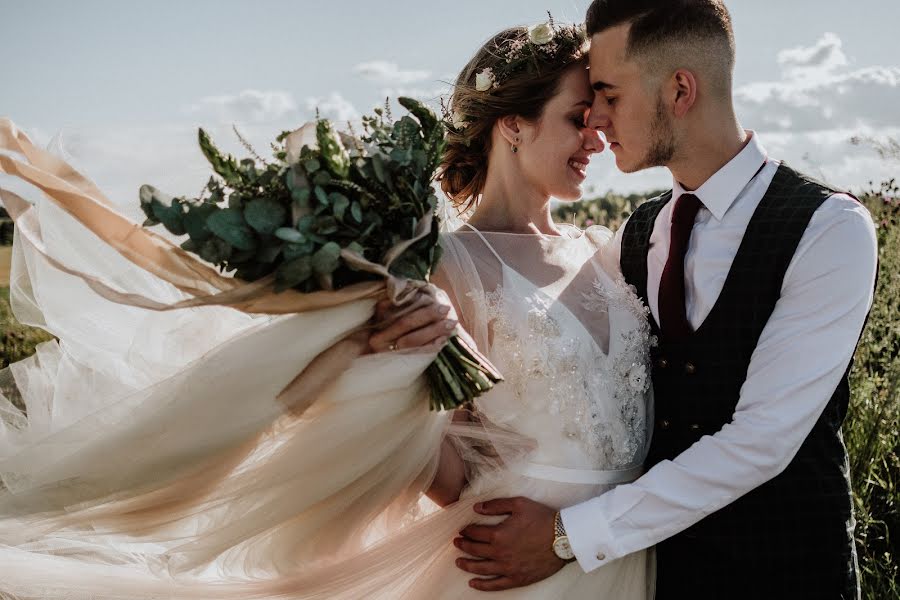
(569, 232)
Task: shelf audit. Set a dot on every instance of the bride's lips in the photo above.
(578, 165)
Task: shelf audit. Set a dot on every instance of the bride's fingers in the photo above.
(479, 567)
(476, 549)
(422, 318)
(428, 335)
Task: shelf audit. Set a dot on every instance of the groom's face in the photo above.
(628, 106)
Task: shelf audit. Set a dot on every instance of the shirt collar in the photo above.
(720, 191)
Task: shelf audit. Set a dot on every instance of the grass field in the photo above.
(5, 255)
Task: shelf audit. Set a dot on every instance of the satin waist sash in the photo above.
(586, 476)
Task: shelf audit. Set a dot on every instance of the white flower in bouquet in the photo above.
(297, 139)
(485, 80)
(541, 34)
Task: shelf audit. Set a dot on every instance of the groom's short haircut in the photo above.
(664, 33)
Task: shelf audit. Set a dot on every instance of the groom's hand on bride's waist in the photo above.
(428, 320)
(514, 553)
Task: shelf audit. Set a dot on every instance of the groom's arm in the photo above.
(801, 356)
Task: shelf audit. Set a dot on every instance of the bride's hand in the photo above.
(429, 320)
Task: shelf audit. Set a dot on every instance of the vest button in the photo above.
(689, 368)
(662, 363)
(694, 427)
(665, 424)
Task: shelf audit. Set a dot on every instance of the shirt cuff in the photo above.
(589, 534)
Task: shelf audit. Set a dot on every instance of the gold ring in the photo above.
(392, 346)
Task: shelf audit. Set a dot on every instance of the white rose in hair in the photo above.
(484, 79)
(541, 34)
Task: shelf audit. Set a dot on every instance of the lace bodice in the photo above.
(573, 347)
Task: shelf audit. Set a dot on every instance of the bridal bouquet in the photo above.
(331, 210)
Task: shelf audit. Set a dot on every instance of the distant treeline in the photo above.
(609, 210)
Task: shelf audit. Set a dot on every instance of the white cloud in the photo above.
(247, 106)
(824, 56)
(816, 91)
(388, 73)
(334, 107)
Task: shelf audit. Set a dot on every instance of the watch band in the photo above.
(559, 530)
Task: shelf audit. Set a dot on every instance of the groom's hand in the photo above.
(514, 553)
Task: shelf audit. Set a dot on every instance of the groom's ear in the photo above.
(509, 127)
(683, 91)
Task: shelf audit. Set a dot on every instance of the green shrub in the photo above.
(17, 341)
(872, 429)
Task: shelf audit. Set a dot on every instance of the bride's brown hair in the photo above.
(524, 85)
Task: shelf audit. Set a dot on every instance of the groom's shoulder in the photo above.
(790, 182)
(831, 206)
(653, 205)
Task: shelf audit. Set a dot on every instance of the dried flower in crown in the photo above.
(544, 43)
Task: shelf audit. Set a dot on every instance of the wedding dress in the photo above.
(155, 458)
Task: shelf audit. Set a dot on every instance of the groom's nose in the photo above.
(598, 118)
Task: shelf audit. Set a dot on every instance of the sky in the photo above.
(121, 86)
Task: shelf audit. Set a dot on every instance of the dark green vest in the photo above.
(792, 536)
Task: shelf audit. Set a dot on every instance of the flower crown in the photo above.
(545, 43)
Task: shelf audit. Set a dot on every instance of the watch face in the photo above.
(562, 548)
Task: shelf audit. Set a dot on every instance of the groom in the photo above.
(759, 281)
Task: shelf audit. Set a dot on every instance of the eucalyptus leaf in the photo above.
(215, 250)
(195, 221)
(327, 258)
(292, 251)
(301, 196)
(326, 225)
(229, 225)
(293, 272)
(321, 196)
(339, 204)
(172, 216)
(265, 215)
(321, 178)
(290, 235)
(356, 211)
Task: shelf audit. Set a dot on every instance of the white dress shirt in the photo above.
(801, 356)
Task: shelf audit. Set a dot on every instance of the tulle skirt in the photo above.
(148, 452)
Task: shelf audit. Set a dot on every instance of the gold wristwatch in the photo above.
(561, 546)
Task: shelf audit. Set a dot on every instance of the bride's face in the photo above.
(557, 148)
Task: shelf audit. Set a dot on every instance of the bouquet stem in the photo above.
(459, 374)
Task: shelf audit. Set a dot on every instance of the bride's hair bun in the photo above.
(511, 74)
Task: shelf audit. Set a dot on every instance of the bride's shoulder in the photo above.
(599, 235)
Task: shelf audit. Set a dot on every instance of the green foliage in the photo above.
(261, 219)
(17, 341)
(872, 428)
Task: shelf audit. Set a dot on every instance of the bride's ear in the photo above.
(509, 128)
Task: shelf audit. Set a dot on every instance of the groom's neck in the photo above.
(705, 146)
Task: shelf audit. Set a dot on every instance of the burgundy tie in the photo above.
(672, 311)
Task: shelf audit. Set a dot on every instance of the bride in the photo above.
(155, 459)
